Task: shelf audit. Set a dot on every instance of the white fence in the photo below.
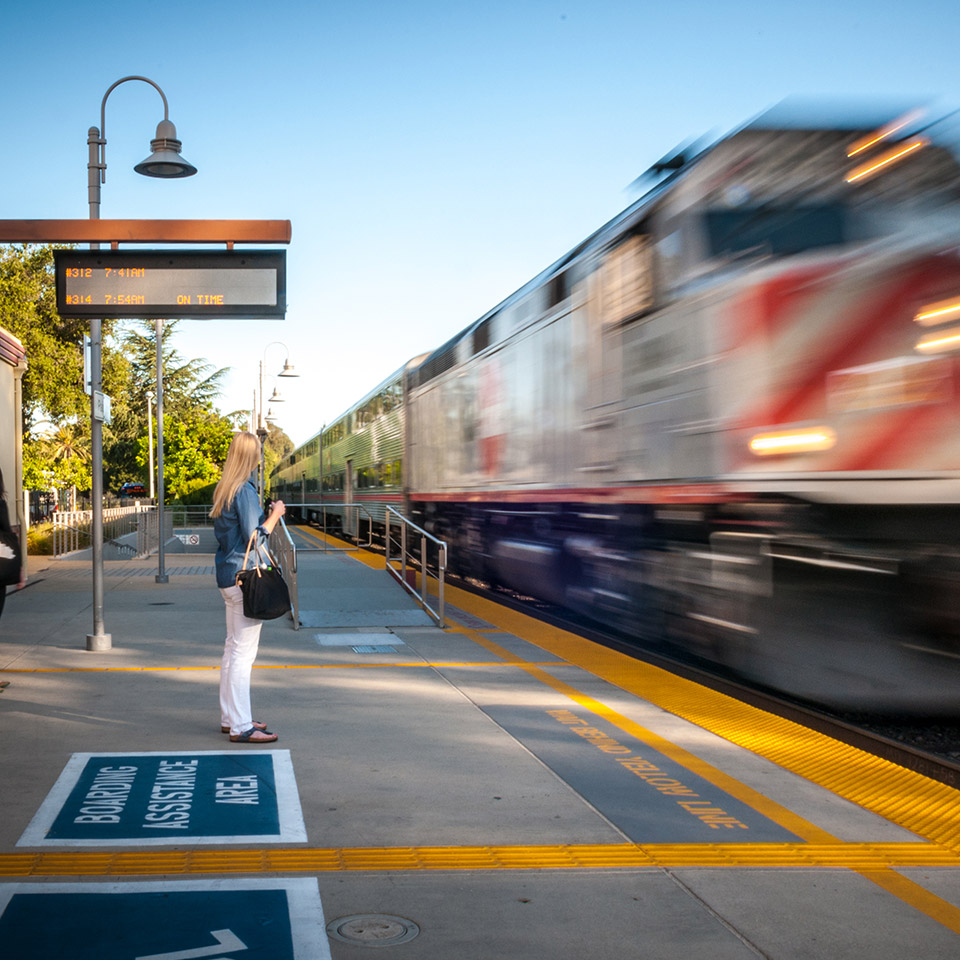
(129, 531)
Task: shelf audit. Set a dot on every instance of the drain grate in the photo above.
(374, 648)
(372, 929)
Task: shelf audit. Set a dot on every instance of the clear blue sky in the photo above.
(432, 156)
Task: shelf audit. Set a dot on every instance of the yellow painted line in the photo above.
(917, 803)
(877, 858)
(296, 666)
(917, 896)
(730, 785)
(356, 553)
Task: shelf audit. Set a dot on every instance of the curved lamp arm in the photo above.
(164, 162)
(102, 132)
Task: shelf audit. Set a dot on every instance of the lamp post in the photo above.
(287, 371)
(150, 396)
(165, 161)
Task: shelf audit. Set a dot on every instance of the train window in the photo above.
(390, 474)
(627, 278)
(558, 289)
(776, 231)
(335, 433)
(481, 336)
(392, 397)
(366, 478)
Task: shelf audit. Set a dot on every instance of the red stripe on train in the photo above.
(889, 307)
(655, 493)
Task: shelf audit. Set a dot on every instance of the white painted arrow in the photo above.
(227, 940)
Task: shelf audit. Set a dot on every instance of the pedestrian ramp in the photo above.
(338, 590)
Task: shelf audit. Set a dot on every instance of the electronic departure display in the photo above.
(161, 284)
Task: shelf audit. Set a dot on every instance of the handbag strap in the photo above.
(256, 555)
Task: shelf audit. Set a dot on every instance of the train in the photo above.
(727, 422)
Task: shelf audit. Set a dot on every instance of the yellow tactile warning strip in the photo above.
(856, 856)
(773, 811)
(921, 805)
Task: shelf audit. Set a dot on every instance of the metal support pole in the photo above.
(98, 640)
(161, 576)
(262, 434)
(150, 396)
(423, 570)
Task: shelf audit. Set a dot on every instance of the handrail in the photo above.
(401, 576)
(339, 509)
(284, 551)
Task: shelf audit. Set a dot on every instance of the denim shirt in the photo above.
(232, 530)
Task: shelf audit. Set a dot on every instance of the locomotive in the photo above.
(726, 422)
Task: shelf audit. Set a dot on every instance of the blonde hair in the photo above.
(242, 456)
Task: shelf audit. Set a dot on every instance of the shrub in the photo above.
(40, 539)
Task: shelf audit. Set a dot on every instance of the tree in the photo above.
(60, 461)
(194, 448)
(276, 446)
(53, 382)
(187, 385)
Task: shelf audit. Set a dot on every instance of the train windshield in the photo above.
(777, 231)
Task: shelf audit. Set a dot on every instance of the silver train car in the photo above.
(347, 474)
(729, 420)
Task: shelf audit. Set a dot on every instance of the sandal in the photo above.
(253, 735)
(225, 727)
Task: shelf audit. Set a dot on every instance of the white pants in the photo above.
(239, 652)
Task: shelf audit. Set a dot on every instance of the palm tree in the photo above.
(69, 441)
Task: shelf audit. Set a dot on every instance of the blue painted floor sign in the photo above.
(171, 798)
(263, 919)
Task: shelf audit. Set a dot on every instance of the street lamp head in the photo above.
(287, 370)
(276, 398)
(165, 161)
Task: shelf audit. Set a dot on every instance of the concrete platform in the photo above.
(494, 789)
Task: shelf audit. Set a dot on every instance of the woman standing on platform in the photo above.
(236, 514)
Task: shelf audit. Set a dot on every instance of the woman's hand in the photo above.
(277, 510)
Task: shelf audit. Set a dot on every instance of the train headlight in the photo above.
(940, 342)
(940, 312)
(884, 160)
(804, 440)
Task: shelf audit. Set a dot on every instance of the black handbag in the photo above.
(265, 595)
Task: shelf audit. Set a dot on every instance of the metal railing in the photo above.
(193, 516)
(408, 565)
(284, 551)
(342, 512)
(148, 539)
(73, 529)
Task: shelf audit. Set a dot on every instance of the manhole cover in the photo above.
(373, 929)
